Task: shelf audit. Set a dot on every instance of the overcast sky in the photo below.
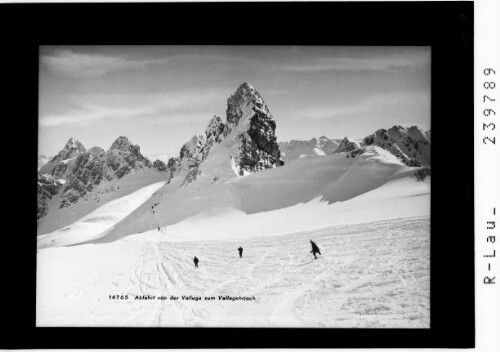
(160, 96)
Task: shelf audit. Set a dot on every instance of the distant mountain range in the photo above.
(296, 149)
(410, 144)
(76, 173)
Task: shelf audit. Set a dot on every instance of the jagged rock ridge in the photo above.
(248, 135)
(411, 144)
(349, 146)
(58, 165)
(75, 171)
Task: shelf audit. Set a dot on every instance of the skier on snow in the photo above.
(315, 249)
(195, 260)
(240, 250)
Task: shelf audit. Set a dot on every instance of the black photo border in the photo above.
(447, 27)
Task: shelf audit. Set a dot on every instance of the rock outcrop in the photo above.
(58, 165)
(214, 133)
(410, 145)
(347, 145)
(123, 157)
(47, 187)
(258, 146)
(159, 165)
(74, 172)
(247, 140)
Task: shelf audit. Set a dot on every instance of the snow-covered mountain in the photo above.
(244, 144)
(410, 145)
(323, 187)
(299, 149)
(76, 174)
(58, 164)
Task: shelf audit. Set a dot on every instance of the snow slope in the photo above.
(412, 200)
(98, 221)
(330, 179)
(57, 219)
(371, 275)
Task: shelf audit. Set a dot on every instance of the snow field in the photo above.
(369, 217)
(371, 275)
(262, 202)
(400, 198)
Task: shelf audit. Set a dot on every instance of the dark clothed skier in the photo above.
(195, 260)
(315, 249)
(240, 250)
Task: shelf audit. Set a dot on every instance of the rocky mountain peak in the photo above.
(246, 86)
(73, 143)
(410, 144)
(215, 127)
(246, 91)
(77, 172)
(123, 156)
(71, 149)
(347, 145)
(58, 164)
(243, 102)
(189, 148)
(121, 143)
(413, 132)
(258, 146)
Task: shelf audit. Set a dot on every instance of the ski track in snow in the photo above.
(371, 275)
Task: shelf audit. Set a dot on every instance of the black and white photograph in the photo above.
(248, 175)
(252, 186)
